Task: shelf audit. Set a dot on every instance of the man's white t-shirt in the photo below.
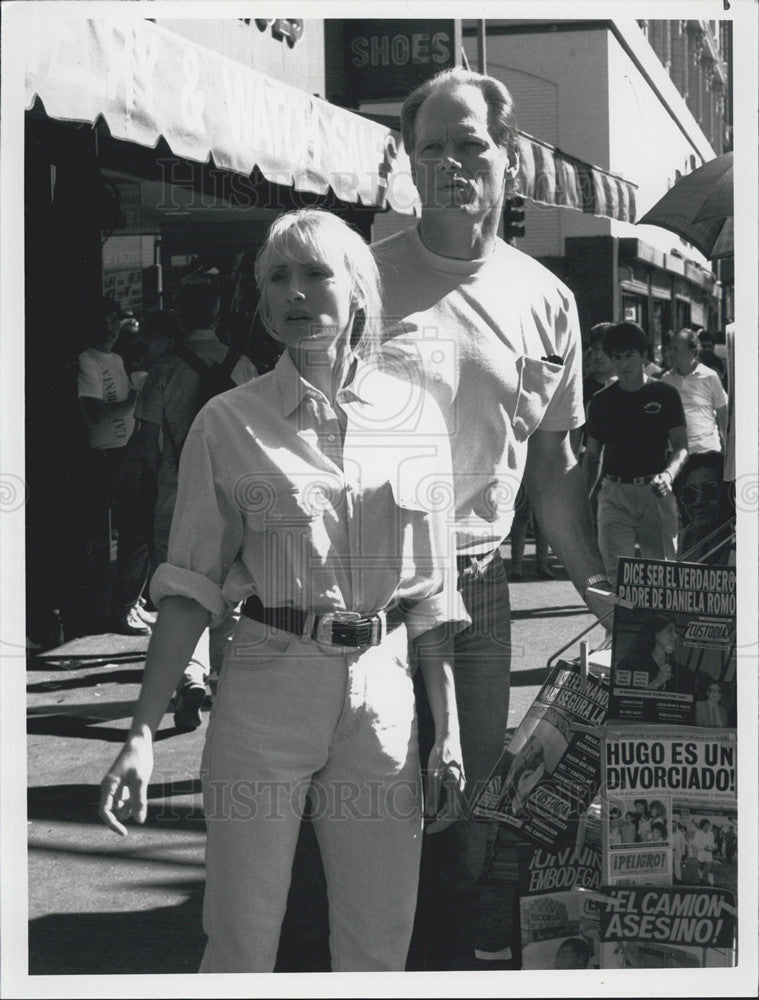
(702, 395)
(103, 376)
(497, 343)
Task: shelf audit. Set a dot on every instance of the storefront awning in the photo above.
(550, 177)
(149, 83)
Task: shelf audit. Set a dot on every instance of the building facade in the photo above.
(646, 100)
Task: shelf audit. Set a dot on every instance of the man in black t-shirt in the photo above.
(636, 437)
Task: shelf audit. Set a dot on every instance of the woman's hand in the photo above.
(123, 791)
(444, 798)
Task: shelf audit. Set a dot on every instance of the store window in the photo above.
(128, 266)
(632, 309)
(682, 313)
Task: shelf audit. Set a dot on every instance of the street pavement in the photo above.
(102, 904)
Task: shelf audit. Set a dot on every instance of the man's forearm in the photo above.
(721, 417)
(590, 467)
(561, 506)
(555, 486)
(676, 461)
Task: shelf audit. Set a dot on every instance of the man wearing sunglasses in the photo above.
(708, 535)
(637, 444)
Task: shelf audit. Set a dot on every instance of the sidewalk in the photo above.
(100, 904)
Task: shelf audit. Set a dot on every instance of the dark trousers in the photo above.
(111, 495)
(133, 507)
(453, 880)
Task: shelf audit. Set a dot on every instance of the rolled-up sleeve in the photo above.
(206, 529)
(438, 609)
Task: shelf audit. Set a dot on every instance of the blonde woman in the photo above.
(313, 495)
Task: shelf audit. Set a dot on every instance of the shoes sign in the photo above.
(387, 58)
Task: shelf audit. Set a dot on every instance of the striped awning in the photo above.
(149, 83)
(550, 177)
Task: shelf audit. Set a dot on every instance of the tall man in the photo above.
(495, 338)
(636, 435)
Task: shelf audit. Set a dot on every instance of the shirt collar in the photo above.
(293, 388)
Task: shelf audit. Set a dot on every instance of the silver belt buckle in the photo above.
(324, 628)
(379, 628)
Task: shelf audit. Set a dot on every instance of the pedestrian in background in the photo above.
(523, 515)
(107, 398)
(598, 372)
(708, 535)
(704, 399)
(291, 498)
(636, 447)
(709, 357)
(600, 369)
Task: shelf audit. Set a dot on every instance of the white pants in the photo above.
(630, 513)
(290, 716)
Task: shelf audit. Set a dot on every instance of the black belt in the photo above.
(631, 480)
(335, 628)
(481, 559)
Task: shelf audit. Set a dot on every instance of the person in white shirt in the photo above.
(314, 494)
(704, 398)
(107, 399)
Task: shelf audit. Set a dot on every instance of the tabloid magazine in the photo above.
(673, 653)
(669, 813)
(549, 773)
(560, 926)
(667, 928)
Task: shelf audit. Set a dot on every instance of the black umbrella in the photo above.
(699, 207)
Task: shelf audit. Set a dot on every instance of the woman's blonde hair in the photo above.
(308, 234)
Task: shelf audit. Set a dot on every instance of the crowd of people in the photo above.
(653, 448)
(341, 517)
(646, 823)
(654, 458)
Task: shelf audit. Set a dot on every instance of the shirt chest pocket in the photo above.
(289, 503)
(417, 485)
(537, 381)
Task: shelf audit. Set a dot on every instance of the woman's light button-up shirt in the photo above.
(319, 508)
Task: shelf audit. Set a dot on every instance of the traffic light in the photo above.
(513, 218)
